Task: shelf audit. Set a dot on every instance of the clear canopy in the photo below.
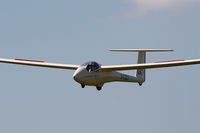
(92, 65)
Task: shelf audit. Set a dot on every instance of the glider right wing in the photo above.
(38, 63)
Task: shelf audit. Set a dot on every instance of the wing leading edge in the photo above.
(150, 65)
(38, 63)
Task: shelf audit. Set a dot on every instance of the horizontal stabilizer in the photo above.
(141, 50)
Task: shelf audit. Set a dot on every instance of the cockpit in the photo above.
(92, 66)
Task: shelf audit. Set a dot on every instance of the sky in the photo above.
(34, 99)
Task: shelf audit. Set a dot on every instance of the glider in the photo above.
(94, 74)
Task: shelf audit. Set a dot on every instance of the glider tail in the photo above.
(140, 74)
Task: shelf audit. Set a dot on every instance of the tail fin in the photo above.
(140, 74)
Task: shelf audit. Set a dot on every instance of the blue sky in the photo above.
(73, 32)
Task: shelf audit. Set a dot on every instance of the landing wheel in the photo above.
(83, 86)
(140, 84)
(99, 88)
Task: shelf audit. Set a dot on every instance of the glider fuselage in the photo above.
(85, 76)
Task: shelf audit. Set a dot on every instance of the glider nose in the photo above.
(77, 74)
(76, 77)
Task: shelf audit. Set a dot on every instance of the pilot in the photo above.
(89, 68)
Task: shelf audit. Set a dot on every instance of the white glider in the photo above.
(94, 74)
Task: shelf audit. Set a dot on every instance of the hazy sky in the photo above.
(39, 100)
(145, 6)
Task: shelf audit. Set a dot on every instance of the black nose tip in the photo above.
(75, 77)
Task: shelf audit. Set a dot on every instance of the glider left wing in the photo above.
(150, 65)
(38, 63)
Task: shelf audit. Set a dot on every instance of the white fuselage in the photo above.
(98, 78)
